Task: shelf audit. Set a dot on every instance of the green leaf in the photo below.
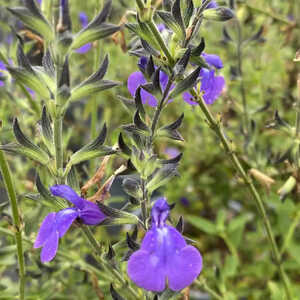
(117, 217)
(32, 18)
(91, 150)
(96, 29)
(203, 224)
(185, 84)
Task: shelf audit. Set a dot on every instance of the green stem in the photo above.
(159, 108)
(202, 284)
(161, 42)
(217, 128)
(240, 70)
(87, 232)
(58, 146)
(6, 175)
(268, 13)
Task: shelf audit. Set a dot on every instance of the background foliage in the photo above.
(218, 210)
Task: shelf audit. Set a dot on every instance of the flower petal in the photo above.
(84, 49)
(64, 191)
(184, 263)
(45, 231)
(134, 81)
(147, 98)
(2, 66)
(212, 4)
(213, 60)
(211, 85)
(184, 268)
(91, 214)
(146, 271)
(50, 247)
(83, 18)
(160, 212)
(142, 63)
(64, 219)
(187, 97)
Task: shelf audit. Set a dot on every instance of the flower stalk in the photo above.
(88, 234)
(217, 128)
(202, 284)
(6, 175)
(161, 42)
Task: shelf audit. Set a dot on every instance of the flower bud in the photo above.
(218, 14)
(132, 187)
(287, 187)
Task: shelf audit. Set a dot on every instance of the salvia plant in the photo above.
(153, 258)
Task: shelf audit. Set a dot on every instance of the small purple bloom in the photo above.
(3, 68)
(211, 85)
(39, 2)
(171, 152)
(56, 224)
(84, 22)
(213, 60)
(184, 201)
(164, 256)
(212, 4)
(138, 78)
(161, 27)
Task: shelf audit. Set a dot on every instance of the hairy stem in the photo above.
(240, 71)
(58, 146)
(161, 42)
(156, 33)
(202, 284)
(270, 14)
(217, 128)
(115, 272)
(159, 108)
(6, 175)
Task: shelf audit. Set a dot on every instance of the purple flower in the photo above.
(184, 201)
(212, 4)
(164, 256)
(3, 68)
(84, 22)
(56, 224)
(138, 78)
(171, 152)
(211, 84)
(161, 27)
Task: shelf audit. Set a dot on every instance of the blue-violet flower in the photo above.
(211, 85)
(56, 224)
(164, 256)
(84, 22)
(3, 68)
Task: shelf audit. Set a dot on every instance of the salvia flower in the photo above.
(171, 152)
(164, 256)
(84, 22)
(212, 4)
(138, 78)
(3, 68)
(56, 224)
(211, 85)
